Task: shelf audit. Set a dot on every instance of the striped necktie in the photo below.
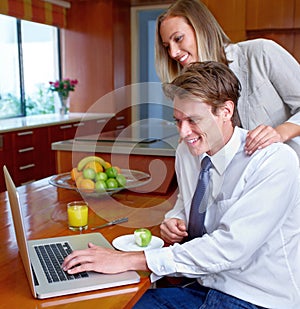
(197, 214)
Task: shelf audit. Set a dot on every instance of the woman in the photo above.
(270, 77)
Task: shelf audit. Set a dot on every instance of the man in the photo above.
(249, 254)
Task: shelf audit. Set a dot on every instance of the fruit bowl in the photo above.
(134, 179)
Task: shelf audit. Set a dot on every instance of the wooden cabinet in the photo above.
(119, 122)
(5, 156)
(63, 132)
(31, 157)
(28, 155)
(27, 159)
(58, 133)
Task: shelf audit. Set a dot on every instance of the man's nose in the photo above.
(185, 129)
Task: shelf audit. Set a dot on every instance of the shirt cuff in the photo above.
(160, 262)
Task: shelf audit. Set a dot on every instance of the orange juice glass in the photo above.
(78, 215)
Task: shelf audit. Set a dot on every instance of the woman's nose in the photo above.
(174, 51)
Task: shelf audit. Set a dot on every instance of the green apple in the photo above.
(89, 173)
(121, 179)
(100, 186)
(112, 183)
(101, 176)
(111, 172)
(142, 237)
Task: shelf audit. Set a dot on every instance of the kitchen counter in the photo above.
(159, 147)
(152, 137)
(148, 146)
(29, 122)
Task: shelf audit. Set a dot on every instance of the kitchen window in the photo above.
(29, 59)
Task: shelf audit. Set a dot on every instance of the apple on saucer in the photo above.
(142, 237)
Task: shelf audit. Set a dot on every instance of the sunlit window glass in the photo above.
(29, 59)
(10, 92)
(40, 64)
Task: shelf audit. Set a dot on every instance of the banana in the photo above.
(83, 162)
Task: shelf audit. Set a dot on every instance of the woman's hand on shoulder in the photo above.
(261, 137)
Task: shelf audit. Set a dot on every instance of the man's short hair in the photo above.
(210, 82)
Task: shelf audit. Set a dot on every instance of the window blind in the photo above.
(35, 10)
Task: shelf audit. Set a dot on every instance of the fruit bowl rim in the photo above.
(134, 179)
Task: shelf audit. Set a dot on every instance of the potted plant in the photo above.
(63, 88)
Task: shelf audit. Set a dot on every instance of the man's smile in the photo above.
(193, 140)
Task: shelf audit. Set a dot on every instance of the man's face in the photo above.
(198, 127)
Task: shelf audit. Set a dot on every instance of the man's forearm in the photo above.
(134, 261)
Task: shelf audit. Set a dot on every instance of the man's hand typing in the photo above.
(103, 260)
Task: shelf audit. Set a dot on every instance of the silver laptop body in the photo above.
(39, 283)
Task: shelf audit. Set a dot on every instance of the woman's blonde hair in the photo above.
(210, 37)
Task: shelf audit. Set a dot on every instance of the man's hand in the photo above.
(261, 137)
(103, 260)
(173, 230)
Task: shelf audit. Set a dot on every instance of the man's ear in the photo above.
(228, 109)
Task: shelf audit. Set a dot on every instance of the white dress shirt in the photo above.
(252, 246)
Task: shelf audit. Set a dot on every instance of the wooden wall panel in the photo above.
(121, 41)
(297, 47)
(231, 15)
(278, 21)
(269, 14)
(87, 52)
(297, 14)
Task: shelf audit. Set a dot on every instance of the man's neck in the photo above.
(227, 134)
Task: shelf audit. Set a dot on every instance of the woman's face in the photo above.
(179, 39)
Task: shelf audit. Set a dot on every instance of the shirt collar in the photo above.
(223, 157)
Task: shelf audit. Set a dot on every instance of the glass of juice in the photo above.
(77, 215)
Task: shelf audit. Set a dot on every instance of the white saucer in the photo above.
(127, 243)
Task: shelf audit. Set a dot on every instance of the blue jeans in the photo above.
(192, 297)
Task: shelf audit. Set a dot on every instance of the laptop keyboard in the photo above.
(51, 257)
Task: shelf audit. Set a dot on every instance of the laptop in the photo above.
(36, 254)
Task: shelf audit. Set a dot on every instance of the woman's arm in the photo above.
(263, 136)
(283, 72)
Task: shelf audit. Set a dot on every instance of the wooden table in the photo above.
(45, 216)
